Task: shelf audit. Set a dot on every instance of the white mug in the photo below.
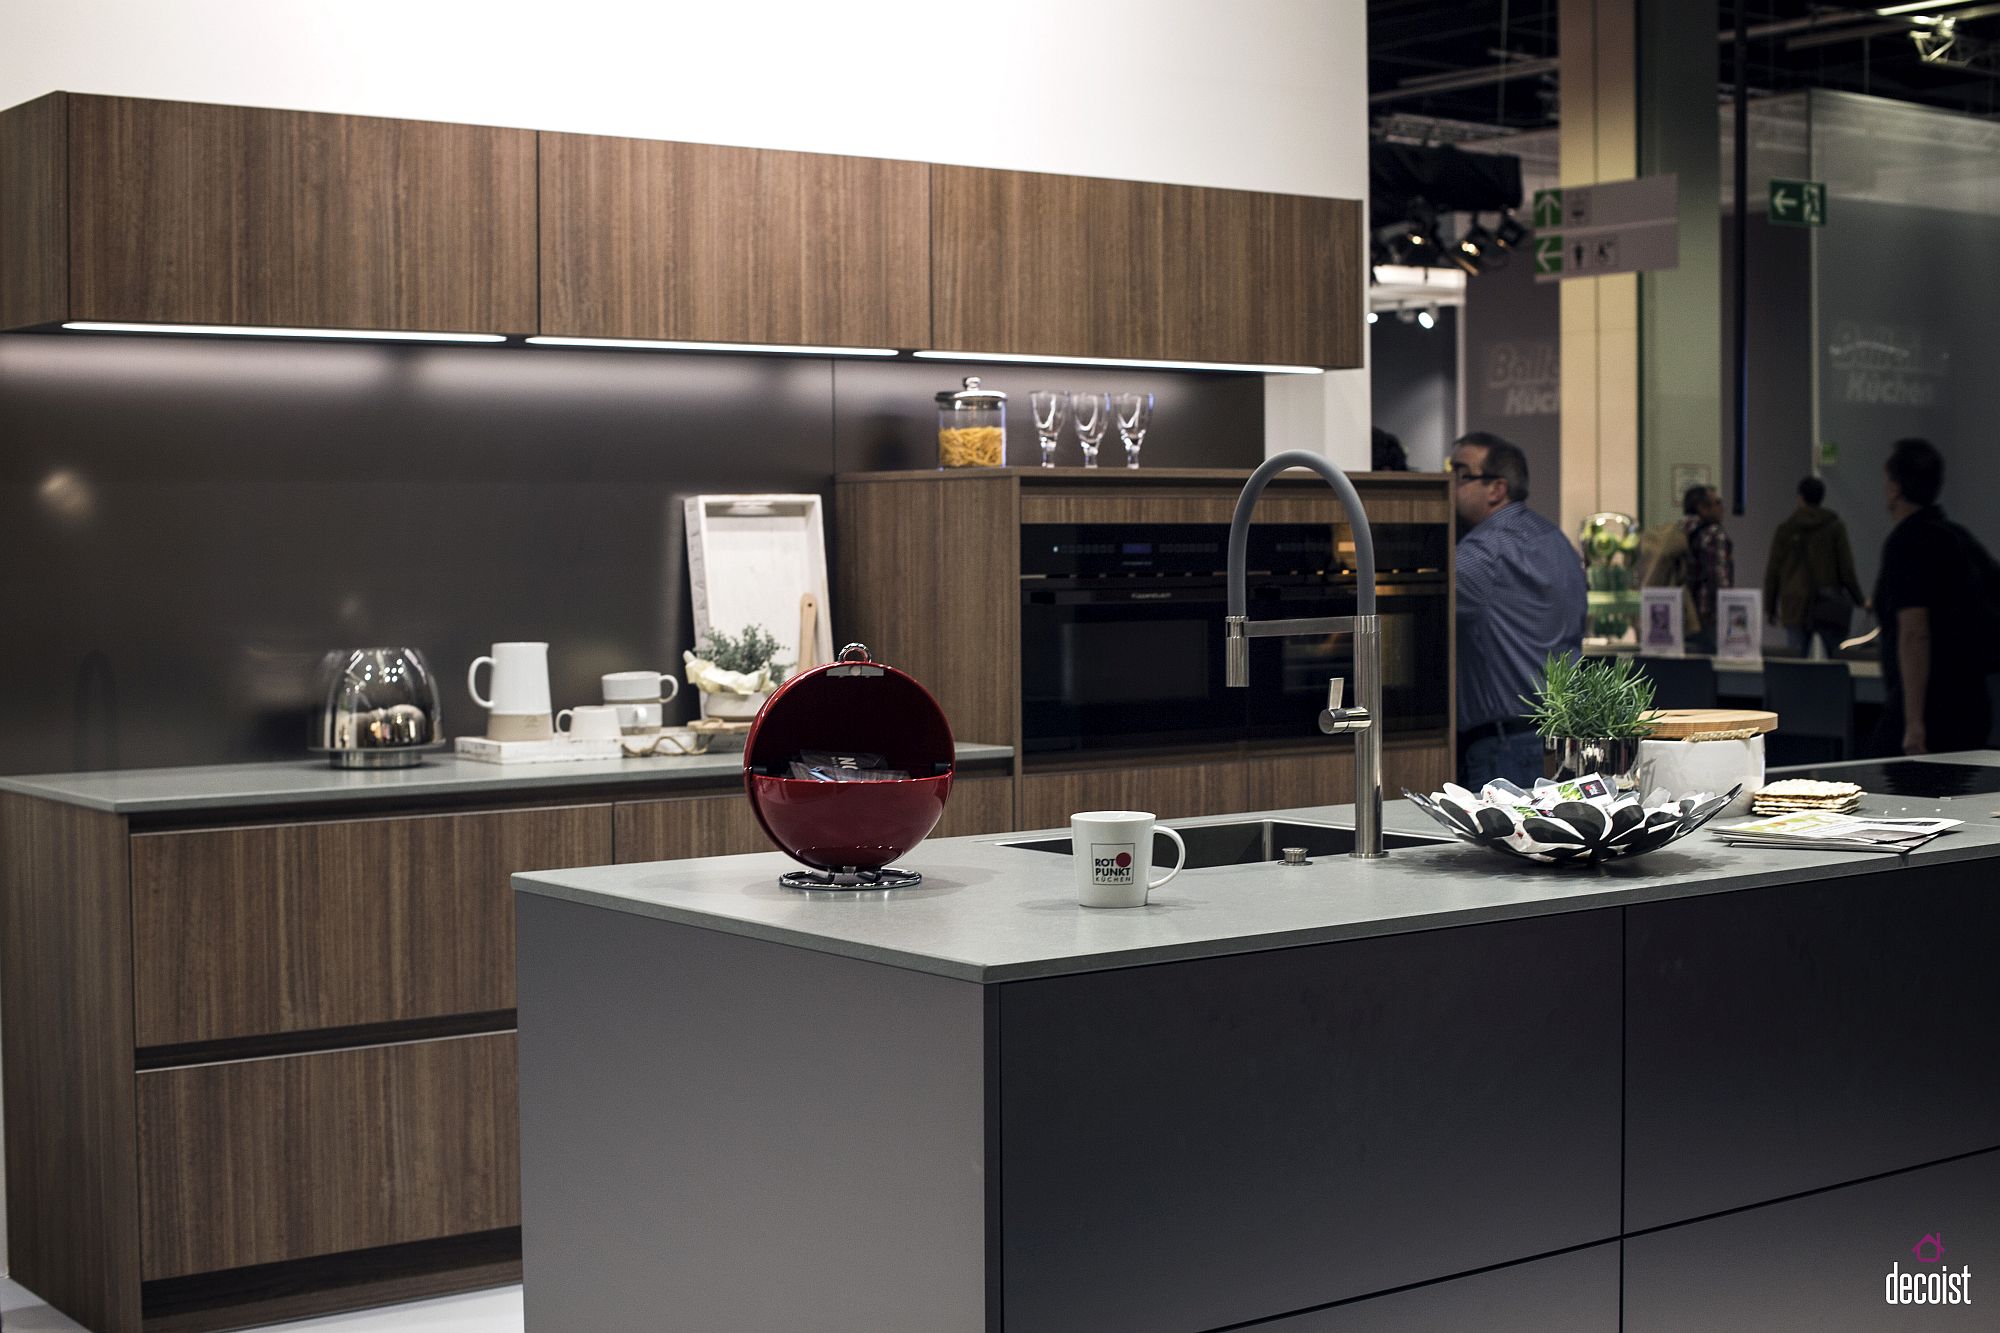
(1113, 852)
(591, 722)
(639, 687)
(519, 708)
(636, 719)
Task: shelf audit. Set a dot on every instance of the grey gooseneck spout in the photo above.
(1364, 719)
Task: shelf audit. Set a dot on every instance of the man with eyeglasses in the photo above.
(1520, 598)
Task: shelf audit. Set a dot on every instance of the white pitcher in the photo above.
(519, 708)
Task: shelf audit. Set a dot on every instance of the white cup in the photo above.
(638, 719)
(591, 722)
(519, 708)
(639, 687)
(1113, 852)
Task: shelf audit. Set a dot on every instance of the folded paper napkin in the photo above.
(709, 678)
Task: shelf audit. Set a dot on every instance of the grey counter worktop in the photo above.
(988, 912)
(224, 787)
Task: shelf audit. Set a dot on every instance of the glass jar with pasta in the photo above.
(972, 426)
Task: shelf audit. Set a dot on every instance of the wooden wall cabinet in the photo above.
(180, 212)
(647, 239)
(1078, 266)
(125, 209)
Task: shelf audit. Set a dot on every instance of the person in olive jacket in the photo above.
(1810, 586)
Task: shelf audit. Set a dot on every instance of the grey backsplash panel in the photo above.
(186, 526)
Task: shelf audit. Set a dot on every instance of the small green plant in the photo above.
(746, 653)
(1585, 699)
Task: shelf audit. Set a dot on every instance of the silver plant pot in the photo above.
(1614, 758)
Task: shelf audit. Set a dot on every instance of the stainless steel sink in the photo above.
(1247, 842)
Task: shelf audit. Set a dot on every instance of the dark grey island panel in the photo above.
(1786, 1040)
(1575, 1292)
(1822, 1262)
(734, 1136)
(1192, 1145)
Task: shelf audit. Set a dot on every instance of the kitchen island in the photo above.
(1710, 1088)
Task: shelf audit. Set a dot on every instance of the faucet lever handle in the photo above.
(1334, 687)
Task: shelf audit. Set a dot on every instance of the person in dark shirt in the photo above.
(1520, 598)
(1926, 596)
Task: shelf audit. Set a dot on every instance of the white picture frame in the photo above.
(1661, 631)
(1739, 619)
(750, 558)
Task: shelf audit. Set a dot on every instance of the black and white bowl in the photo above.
(1572, 830)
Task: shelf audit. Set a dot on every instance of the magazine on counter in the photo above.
(1836, 832)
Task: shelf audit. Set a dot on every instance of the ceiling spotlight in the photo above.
(1405, 315)
(1513, 234)
(1427, 318)
(1935, 41)
(1371, 317)
(1477, 249)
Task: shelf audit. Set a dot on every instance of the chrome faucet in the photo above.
(1364, 718)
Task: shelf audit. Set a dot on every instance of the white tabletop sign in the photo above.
(1660, 631)
(1739, 614)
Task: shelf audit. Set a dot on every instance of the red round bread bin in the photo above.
(849, 832)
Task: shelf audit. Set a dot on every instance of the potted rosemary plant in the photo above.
(1595, 712)
(735, 673)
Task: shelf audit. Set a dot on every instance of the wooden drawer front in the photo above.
(978, 805)
(1168, 270)
(238, 215)
(642, 239)
(1421, 501)
(1176, 791)
(293, 927)
(688, 826)
(1423, 768)
(257, 1161)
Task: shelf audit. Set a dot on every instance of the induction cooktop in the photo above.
(1911, 777)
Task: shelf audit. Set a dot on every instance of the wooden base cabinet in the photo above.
(264, 1071)
(388, 1144)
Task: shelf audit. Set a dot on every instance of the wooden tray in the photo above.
(1677, 724)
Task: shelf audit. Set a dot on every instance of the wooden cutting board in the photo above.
(1677, 724)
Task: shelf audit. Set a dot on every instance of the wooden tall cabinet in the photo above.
(930, 574)
(646, 239)
(1028, 262)
(181, 212)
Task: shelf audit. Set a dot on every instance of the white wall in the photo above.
(1253, 94)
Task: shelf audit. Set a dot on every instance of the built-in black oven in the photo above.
(1121, 633)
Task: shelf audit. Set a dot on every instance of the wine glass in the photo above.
(1051, 415)
(1093, 417)
(1135, 414)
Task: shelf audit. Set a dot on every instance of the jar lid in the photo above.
(971, 398)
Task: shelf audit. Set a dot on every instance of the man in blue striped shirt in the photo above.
(1520, 598)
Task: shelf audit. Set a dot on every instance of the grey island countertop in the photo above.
(292, 782)
(989, 912)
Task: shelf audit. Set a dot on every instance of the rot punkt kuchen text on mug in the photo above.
(1113, 852)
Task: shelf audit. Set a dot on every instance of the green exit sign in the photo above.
(1798, 203)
